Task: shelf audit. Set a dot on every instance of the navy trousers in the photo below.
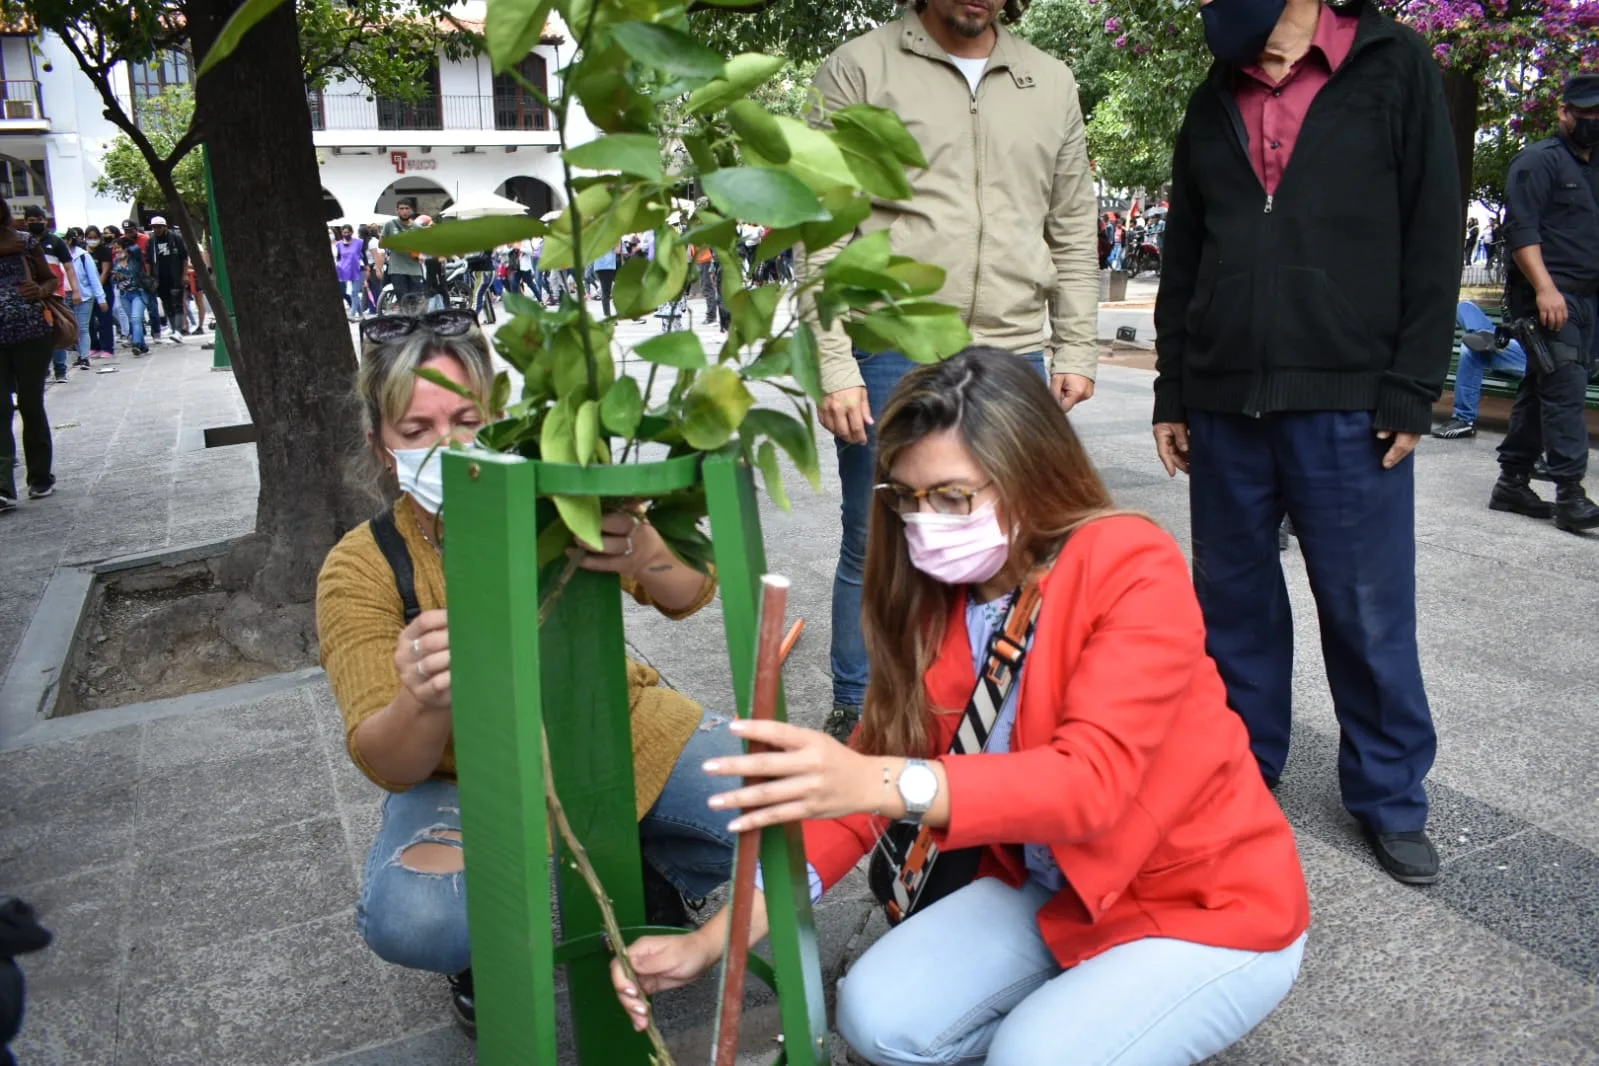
(1356, 527)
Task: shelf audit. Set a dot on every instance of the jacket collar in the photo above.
(1007, 54)
(1374, 27)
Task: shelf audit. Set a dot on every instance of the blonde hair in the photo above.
(1046, 487)
(386, 380)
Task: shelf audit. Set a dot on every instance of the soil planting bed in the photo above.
(172, 630)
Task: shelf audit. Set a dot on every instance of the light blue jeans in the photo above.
(970, 980)
(1472, 366)
(418, 920)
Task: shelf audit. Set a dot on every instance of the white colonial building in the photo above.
(470, 132)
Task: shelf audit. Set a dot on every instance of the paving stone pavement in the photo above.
(200, 868)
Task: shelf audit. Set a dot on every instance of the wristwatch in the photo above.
(918, 787)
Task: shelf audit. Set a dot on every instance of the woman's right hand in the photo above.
(662, 963)
(422, 657)
(29, 290)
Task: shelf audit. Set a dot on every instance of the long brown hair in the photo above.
(1046, 487)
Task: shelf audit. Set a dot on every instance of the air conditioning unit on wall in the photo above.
(19, 109)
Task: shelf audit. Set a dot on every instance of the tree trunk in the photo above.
(1460, 92)
(295, 366)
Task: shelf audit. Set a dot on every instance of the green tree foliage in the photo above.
(126, 175)
(637, 62)
(800, 30)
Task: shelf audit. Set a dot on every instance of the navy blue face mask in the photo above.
(1236, 31)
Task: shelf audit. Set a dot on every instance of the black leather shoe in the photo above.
(1574, 511)
(841, 722)
(663, 903)
(1512, 493)
(1409, 858)
(462, 1003)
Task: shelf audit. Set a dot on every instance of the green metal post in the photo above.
(219, 265)
(496, 673)
(740, 563)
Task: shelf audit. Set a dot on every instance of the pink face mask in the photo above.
(957, 549)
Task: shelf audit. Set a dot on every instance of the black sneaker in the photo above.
(82, 363)
(1540, 471)
(1454, 429)
(1409, 858)
(7, 503)
(841, 721)
(61, 378)
(1480, 341)
(462, 1002)
(39, 492)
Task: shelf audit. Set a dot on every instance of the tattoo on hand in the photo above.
(661, 568)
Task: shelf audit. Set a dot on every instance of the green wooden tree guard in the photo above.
(511, 681)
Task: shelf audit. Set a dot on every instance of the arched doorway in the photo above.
(429, 195)
(330, 206)
(538, 196)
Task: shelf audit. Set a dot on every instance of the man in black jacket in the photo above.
(1304, 326)
(1552, 235)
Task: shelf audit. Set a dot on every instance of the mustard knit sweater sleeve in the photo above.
(359, 620)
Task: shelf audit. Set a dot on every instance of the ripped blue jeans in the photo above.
(418, 920)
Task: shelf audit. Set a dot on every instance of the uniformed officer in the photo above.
(1552, 233)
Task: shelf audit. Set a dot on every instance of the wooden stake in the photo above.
(792, 639)
(768, 670)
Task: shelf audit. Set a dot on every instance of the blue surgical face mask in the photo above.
(1236, 31)
(421, 474)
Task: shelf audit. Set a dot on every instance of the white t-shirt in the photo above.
(972, 68)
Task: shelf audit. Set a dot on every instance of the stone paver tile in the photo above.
(443, 1046)
(69, 833)
(74, 1025)
(212, 801)
(1572, 1041)
(87, 913)
(43, 774)
(220, 893)
(292, 996)
(280, 720)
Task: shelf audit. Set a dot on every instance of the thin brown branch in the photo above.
(613, 929)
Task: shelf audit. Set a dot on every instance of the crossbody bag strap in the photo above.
(392, 544)
(1005, 656)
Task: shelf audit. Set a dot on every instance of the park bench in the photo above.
(1496, 382)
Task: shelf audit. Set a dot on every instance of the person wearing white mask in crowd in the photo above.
(386, 647)
(1134, 894)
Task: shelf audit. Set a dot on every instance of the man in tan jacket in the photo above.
(1006, 207)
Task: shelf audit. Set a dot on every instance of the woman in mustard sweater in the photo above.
(392, 678)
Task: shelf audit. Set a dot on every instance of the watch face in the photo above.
(918, 785)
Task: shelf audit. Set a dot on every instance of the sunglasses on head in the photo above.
(448, 323)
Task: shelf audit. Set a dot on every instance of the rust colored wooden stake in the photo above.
(763, 705)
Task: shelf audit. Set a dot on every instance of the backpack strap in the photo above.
(387, 534)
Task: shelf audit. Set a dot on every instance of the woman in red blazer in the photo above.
(1140, 900)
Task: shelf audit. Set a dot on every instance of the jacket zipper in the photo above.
(977, 156)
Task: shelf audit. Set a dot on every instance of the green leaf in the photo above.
(752, 311)
(622, 407)
(873, 165)
(517, 304)
(805, 362)
(814, 157)
(586, 430)
(789, 434)
(699, 151)
(743, 73)
(608, 97)
(466, 236)
(758, 129)
(772, 474)
(630, 153)
(871, 252)
(500, 394)
(774, 361)
(883, 125)
(554, 539)
(762, 195)
(512, 28)
(582, 516)
(663, 48)
(718, 234)
(242, 21)
(848, 210)
(627, 292)
(923, 333)
(557, 438)
(681, 349)
(776, 243)
(427, 373)
(714, 408)
(919, 279)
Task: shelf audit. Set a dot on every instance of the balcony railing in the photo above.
(19, 101)
(355, 111)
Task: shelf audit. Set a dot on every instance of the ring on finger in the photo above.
(416, 648)
(421, 671)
